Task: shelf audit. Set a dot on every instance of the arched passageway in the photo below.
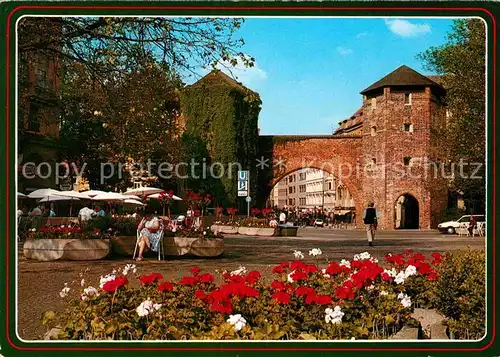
(407, 212)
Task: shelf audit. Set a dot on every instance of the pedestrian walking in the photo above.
(282, 218)
(370, 221)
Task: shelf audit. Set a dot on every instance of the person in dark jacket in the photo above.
(370, 221)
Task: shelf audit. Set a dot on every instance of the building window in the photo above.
(407, 98)
(294, 189)
(406, 160)
(329, 185)
(34, 118)
(408, 127)
(290, 189)
(374, 103)
(41, 78)
(290, 202)
(373, 130)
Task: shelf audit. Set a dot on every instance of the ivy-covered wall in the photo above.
(225, 116)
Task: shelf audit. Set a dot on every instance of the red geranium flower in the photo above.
(386, 277)
(432, 276)
(281, 297)
(194, 270)
(311, 268)
(304, 290)
(323, 299)
(298, 275)
(252, 277)
(424, 268)
(188, 280)
(284, 264)
(396, 259)
(206, 278)
(438, 258)
(333, 268)
(278, 270)
(150, 279)
(166, 286)
(200, 294)
(297, 265)
(344, 293)
(408, 252)
(278, 285)
(223, 306)
(311, 298)
(250, 292)
(113, 285)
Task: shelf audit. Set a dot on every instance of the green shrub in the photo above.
(460, 293)
(102, 223)
(124, 226)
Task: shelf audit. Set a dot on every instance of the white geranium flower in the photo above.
(64, 292)
(315, 252)
(89, 292)
(129, 267)
(405, 299)
(400, 278)
(345, 263)
(298, 254)
(371, 287)
(392, 273)
(353, 338)
(33, 229)
(62, 225)
(237, 321)
(323, 271)
(146, 307)
(82, 283)
(242, 270)
(410, 270)
(289, 277)
(157, 306)
(362, 256)
(105, 279)
(333, 316)
(383, 293)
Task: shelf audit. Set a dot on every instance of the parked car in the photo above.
(318, 223)
(451, 226)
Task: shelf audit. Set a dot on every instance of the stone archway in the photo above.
(406, 214)
(336, 155)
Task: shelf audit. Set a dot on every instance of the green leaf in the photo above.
(48, 316)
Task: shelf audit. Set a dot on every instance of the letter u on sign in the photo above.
(242, 175)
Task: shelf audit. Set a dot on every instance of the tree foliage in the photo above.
(112, 44)
(461, 61)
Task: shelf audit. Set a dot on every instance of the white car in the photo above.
(318, 223)
(451, 226)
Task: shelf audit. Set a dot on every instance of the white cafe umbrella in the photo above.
(58, 198)
(74, 194)
(21, 195)
(43, 193)
(133, 202)
(93, 193)
(143, 191)
(157, 196)
(132, 197)
(109, 196)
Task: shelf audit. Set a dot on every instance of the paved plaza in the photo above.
(41, 282)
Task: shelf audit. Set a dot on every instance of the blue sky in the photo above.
(309, 72)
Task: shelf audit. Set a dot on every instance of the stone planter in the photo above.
(225, 229)
(199, 247)
(248, 231)
(288, 231)
(267, 232)
(66, 249)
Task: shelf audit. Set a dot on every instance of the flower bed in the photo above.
(351, 299)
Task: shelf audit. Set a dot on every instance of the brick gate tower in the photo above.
(399, 112)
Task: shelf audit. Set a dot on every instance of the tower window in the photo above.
(406, 160)
(374, 103)
(407, 98)
(408, 127)
(373, 130)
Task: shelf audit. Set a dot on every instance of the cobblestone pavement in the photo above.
(39, 283)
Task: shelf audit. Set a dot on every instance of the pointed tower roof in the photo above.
(217, 77)
(403, 76)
